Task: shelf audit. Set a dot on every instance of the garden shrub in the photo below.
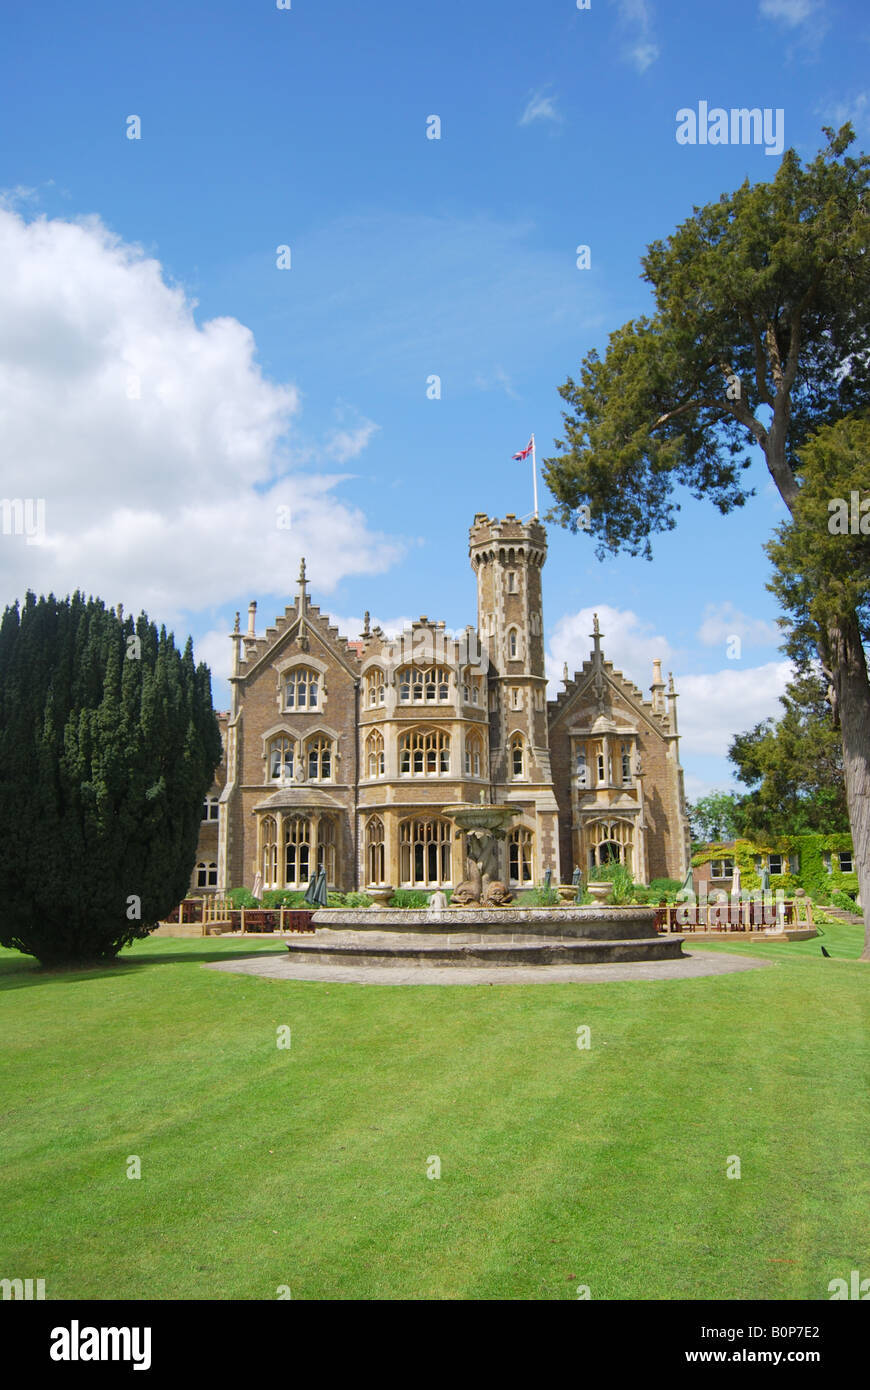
(410, 898)
(544, 897)
(840, 899)
(242, 897)
(283, 897)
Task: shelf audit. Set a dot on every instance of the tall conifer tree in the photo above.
(108, 744)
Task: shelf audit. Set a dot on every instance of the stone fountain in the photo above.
(483, 924)
(483, 826)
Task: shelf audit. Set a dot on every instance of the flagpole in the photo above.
(535, 477)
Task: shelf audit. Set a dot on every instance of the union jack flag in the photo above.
(524, 453)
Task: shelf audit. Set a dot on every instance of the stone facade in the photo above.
(344, 754)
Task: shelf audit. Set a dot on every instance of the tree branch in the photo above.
(760, 365)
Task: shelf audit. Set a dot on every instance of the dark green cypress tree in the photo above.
(108, 744)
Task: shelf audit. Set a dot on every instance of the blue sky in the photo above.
(153, 261)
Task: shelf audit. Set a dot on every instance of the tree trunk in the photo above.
(849, 670)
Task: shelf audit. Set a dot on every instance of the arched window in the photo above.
(625, 759)
(301, 689)
(206, 875)
(270, 852)
(297, 851)
(319, 751)
(600, 763)
(513, 644)
(425, 848)
(282, 752)
(520, 855)
(375, 754)
(375, 687)
(610, 842)
(326, 847)
(424, 753)
(581, 769)
(375, 866)
(423, 685)
(518, 756)
(473, 755)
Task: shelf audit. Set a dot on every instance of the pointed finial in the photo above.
(565, 672)
(595, 634)
(236, 627)
(366, 624)
(302, 580)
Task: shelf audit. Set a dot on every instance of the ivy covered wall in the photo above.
(812, 876)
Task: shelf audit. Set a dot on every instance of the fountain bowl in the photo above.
(490, 818)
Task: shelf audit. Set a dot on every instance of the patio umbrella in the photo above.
(688, 888)
(258, 884)
(316, 892)
(765, 880)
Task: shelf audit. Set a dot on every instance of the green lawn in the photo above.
(307, 1167)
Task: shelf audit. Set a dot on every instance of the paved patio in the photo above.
(693, 966)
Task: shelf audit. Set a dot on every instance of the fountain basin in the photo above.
(589, 921)
(497, 936)
(490, 818)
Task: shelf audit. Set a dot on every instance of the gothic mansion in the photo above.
(343, 754)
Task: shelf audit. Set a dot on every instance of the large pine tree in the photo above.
(761, 334)
(108, 744)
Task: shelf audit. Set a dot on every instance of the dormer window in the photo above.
(301, 689)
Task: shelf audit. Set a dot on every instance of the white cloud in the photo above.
(790, 12)
(631, 644)
(713, 708)
(856, 110)
(157, 443)
(540, 108)
(697, 787)
(496, 380)
(348, 441)
(636, 21)
(722, 621)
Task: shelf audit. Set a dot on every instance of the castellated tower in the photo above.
(507, 557)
